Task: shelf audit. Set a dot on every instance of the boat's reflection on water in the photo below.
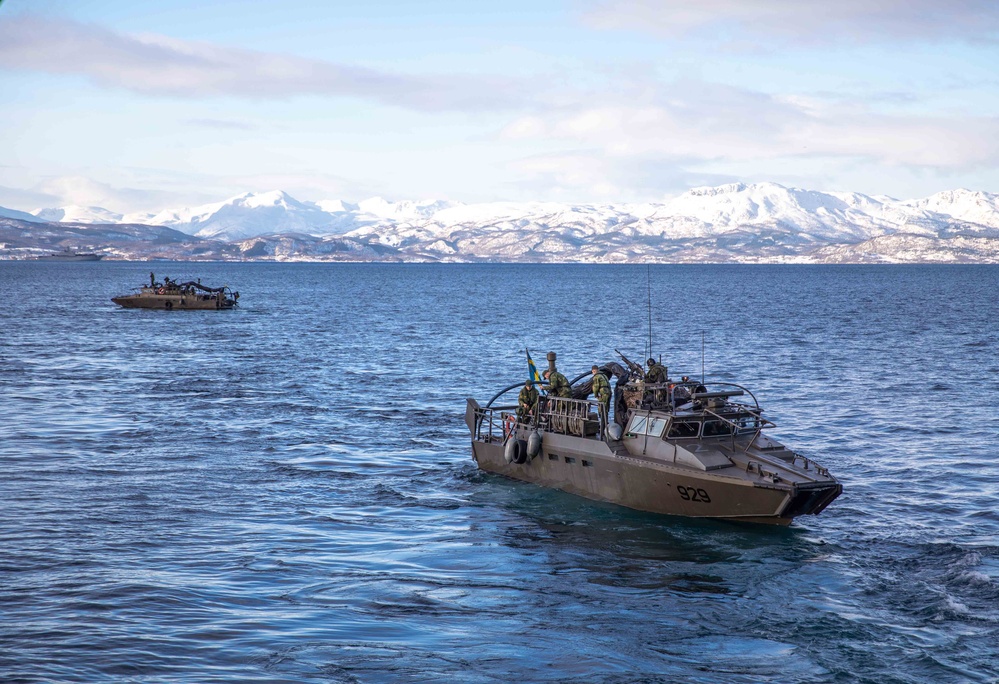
(557, 534)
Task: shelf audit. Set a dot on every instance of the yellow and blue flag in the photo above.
(532, 370)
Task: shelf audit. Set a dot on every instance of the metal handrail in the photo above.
(766, 423)
(507, 389)
(487, 415)
(691, 384)
(543, 385)
(763, 423)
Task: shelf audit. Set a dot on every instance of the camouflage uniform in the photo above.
(558, 386)
(526, 401)
(656, 374)
(601, 388)
(602, 393)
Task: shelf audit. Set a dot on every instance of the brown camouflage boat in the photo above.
(172, 295)
(678, 448)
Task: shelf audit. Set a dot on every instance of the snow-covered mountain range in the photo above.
(736, 222)
(276, 212)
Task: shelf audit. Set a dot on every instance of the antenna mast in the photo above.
(648, 275)
(702, 357)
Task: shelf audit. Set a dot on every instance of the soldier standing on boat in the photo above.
(558, 384)
(602, 393)
(656, 374)
(526, 401)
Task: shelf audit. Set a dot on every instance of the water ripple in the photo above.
(284, 493)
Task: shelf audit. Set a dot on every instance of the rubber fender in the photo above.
(520, 452)
(534, 444)
(614, 432)
(515, 451)
(510, 450)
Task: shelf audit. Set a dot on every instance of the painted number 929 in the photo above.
(691, 494)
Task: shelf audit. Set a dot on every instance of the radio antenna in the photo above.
(702, 357)
(648, 276)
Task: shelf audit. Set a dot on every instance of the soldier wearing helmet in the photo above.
(656, 374)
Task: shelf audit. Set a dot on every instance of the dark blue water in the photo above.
(285, 493)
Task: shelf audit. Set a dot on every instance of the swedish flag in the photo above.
(532, 370)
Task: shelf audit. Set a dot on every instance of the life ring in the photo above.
(509, 426)
(161, 291)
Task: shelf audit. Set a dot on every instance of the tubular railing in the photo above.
(580, 417)
(761, 424)
(488, 425)
(669, 393)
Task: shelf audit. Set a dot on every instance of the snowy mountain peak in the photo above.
(375, 205)
(406, 210)
(271, 198)
(961, 194)
(782, 219)
(74, 213)
(714, 191)
(336, 206)
(19, 215)
(977, 207)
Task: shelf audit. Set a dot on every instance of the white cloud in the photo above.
(703, 134)
(25, 200)
(524, 128)
(758, 22)
(630, 136)
(223, 124)
(599, 177)
(84, 191)
(707, 123)
(162, 66)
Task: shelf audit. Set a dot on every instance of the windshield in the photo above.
(716, 428)
(647, 425)
(680, 430)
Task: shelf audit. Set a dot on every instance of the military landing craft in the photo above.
(172, 295)
(680, 448)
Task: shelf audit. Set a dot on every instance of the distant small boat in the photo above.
(70, 255)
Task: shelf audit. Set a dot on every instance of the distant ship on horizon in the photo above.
(68, 254)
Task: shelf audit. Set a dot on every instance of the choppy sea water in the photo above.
(285, 493)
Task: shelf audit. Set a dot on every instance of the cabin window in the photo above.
(747, 423)
(570, 459)
(716, 428)
(647, 425)
(552, 457)
(638, 424)
(682, 430)
(587, 464)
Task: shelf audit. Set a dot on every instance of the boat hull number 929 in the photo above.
(691, 494)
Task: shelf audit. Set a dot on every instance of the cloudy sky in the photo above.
(144, 105)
